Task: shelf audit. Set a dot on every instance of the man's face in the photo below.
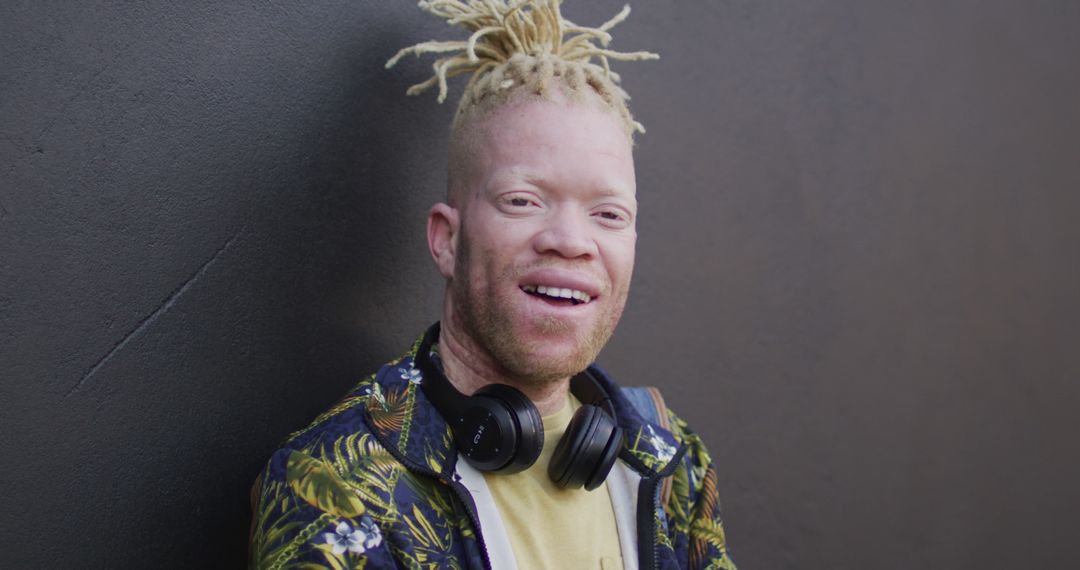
(545, 249)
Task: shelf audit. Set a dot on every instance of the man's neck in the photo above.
(469, 368)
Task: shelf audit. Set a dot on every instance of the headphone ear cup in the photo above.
(485, 433)
(608, 454)
(526, 425)
(587, 451)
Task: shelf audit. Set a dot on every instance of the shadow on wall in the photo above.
(151, 453)
(337, 266)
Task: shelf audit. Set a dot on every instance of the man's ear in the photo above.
(443, 224)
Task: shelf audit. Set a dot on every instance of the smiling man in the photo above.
(536, 244)
(495, 442)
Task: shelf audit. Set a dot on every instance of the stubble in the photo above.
(489, 319)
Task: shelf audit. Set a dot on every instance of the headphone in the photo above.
(499, 430)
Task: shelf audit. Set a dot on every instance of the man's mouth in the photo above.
(558, 294)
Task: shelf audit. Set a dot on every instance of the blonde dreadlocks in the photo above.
(517, 44)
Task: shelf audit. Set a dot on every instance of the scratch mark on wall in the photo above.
(156, 314)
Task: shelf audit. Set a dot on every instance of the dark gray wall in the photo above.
(857, 269)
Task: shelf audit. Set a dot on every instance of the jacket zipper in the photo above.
(470, 508)
(464, 496)
(648, 503)
(462, 493)
(646, 514)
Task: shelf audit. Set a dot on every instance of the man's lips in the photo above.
(572, 295)
(560, 285)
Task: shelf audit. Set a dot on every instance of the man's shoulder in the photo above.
(697, 457)
(343, 419)
(338, 482)
(649, 404)
(342, 433)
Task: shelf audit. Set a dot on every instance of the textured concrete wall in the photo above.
(857, 270)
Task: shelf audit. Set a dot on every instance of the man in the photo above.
(494, 443)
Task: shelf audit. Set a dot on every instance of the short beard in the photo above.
(490, 325)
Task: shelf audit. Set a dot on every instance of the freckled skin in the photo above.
(551, 185)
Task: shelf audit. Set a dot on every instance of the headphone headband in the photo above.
(499, 429)
(435, 384)
(584, 385)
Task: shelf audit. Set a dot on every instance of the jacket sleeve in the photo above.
(306, 516)
(695, 504)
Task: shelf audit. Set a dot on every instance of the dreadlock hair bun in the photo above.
(523, 48)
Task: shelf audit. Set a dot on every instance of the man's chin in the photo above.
(545, 373)
(536, 348)
(541, 363)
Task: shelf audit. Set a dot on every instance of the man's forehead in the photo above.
(523, 110)
(549, 143)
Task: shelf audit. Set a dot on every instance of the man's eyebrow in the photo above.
(536, 180)
(518, 175)
(604, 192)
(608, 191)
(524, 176)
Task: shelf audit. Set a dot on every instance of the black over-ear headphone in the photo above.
(498, 428)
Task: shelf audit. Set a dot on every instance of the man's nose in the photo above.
(567, 233)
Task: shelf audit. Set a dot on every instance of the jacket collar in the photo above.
(647, 447)
(406, 423)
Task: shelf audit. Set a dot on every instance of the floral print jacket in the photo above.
(371, 484)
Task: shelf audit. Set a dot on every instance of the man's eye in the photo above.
(611, 216)
(519, 202)
(615, 218)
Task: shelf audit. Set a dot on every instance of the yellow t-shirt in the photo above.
(551, 527)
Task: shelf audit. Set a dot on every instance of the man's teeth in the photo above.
(558, 292)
